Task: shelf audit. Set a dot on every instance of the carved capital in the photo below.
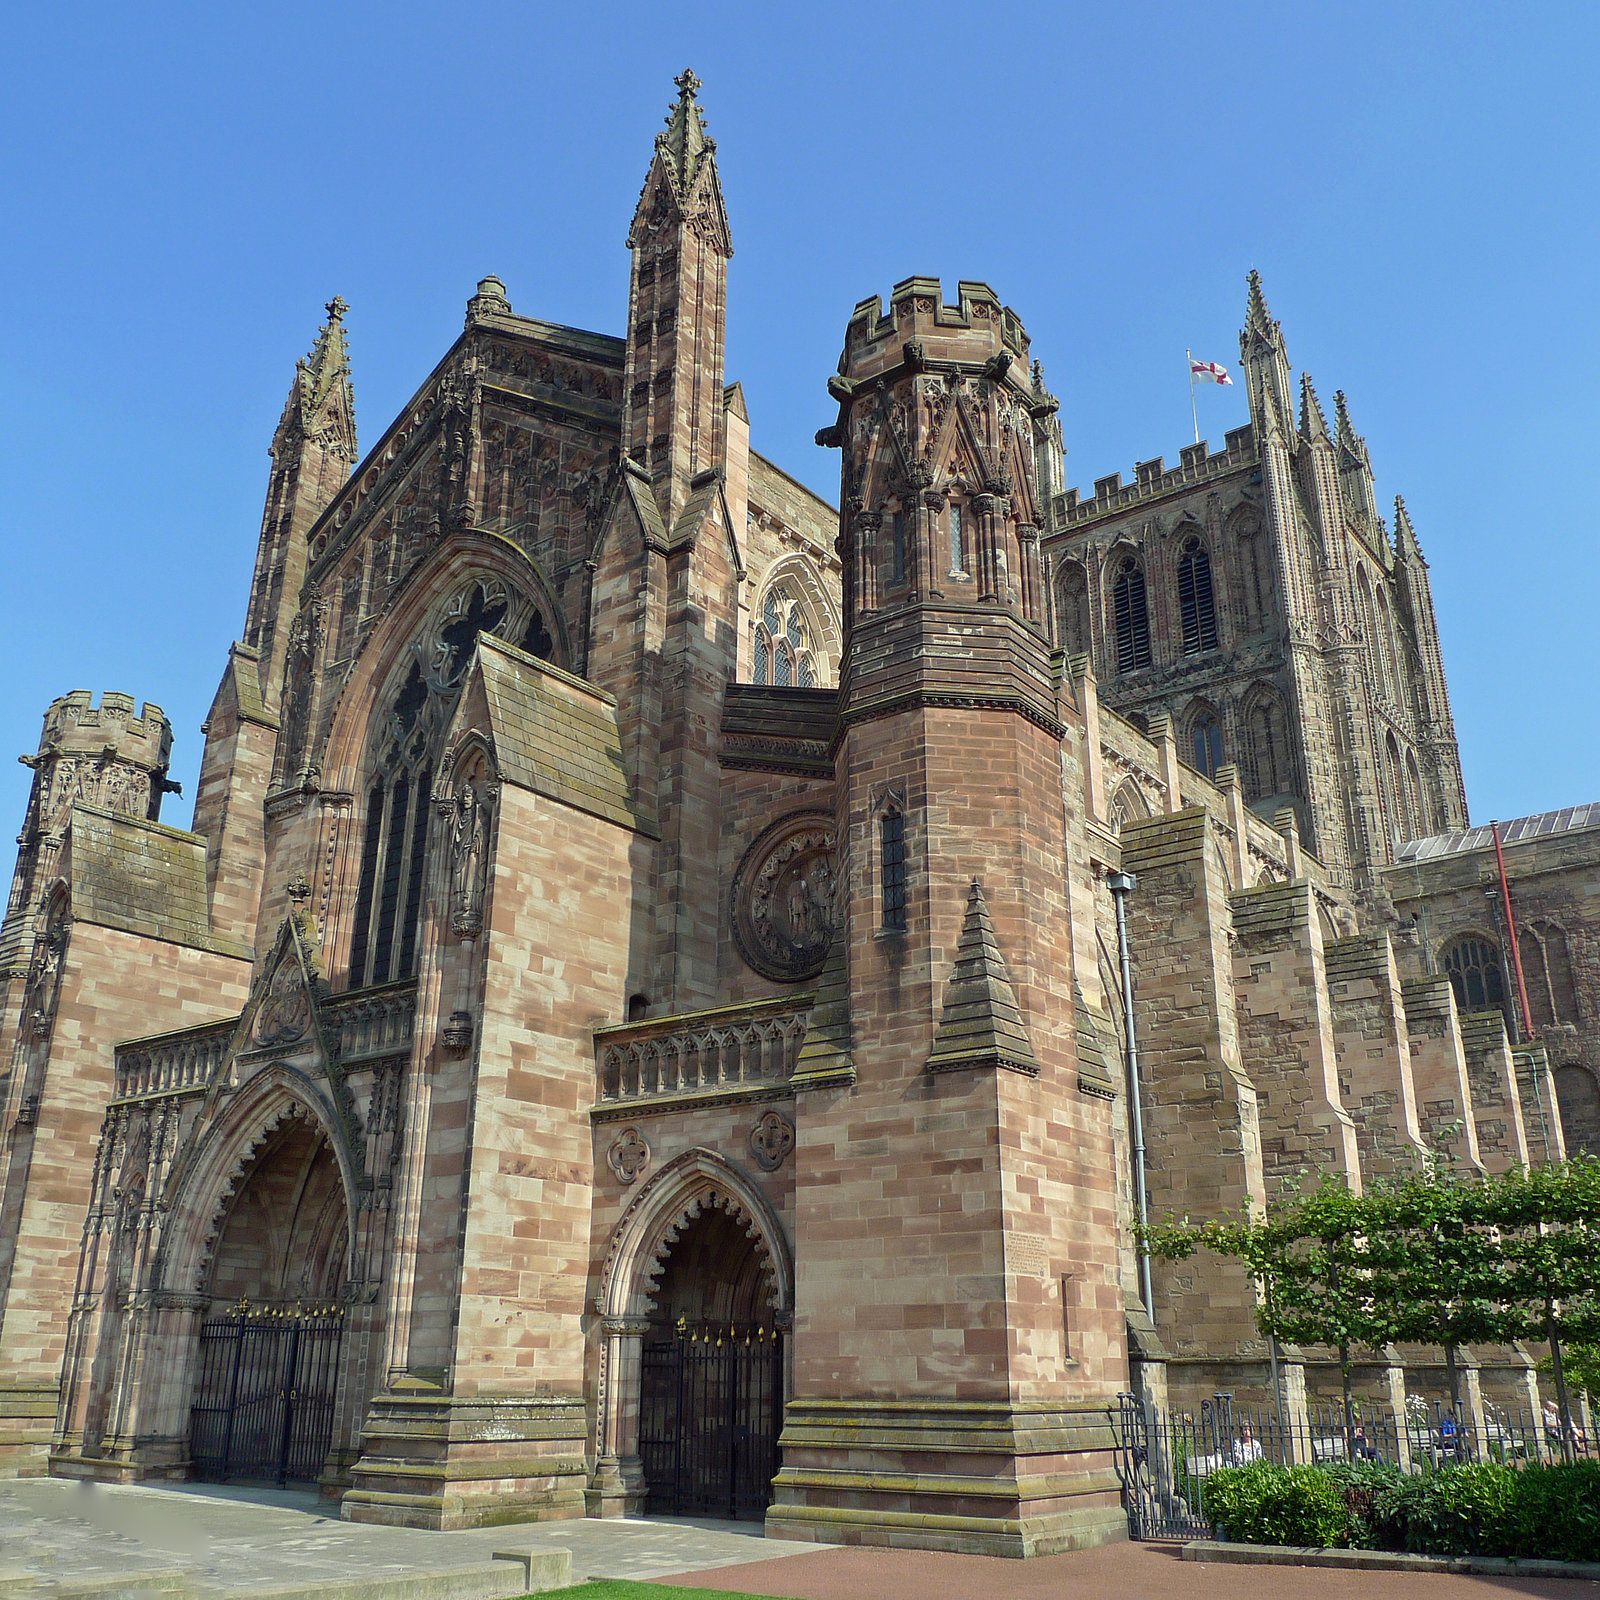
(984, 504)
(869, 521)
(1027, 533)
(626, 1327)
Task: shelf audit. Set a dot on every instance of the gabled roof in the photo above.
(554, 734)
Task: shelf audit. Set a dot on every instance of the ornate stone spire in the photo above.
(685, 144)
(1405, 536)
(1313, 425)
(982, 1023)
(1348, 437)
(322, 381)
(1266, 361)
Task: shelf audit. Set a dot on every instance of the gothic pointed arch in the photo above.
(1197, 606)
(1251, 564)
(684, 1188)
(1202, 746)
(1130, 612)
(795, 635)
(220, 1152)
(1129, 804)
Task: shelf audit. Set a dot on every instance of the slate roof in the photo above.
(142, 878)
(555, 734)
(1567, 820)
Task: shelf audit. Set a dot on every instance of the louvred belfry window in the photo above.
(1132, 617)
(1196, 603)
(783, 655)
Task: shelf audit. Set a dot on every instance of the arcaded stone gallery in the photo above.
(634, 1025)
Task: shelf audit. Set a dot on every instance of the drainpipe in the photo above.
(1121, 885)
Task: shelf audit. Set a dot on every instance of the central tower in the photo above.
(959, 1327)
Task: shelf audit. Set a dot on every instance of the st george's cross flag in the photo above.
(1208, 372)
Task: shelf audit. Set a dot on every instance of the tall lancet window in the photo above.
(958, 544)
(783, 654)
(1196, 602)
(1132, 617)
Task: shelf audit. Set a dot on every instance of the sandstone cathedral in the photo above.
(635, 1024)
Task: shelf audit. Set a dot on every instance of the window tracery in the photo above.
(403, 750)
(783, 654)
(1472, 963)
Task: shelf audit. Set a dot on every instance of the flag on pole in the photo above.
(1208, 372)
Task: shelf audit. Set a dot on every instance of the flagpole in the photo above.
(1188, 356)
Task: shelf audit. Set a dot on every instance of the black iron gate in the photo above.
(264, 1405)
(1162, 1466)
(711, 1407)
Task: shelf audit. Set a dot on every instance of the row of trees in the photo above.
(1438, 1257)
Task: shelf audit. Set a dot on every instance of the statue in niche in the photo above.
(469, 856)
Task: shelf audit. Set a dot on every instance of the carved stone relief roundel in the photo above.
(783, 897)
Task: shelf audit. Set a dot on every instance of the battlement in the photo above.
(75, 725)
(977, 328)
(1153, 478)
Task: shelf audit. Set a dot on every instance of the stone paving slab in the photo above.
(59, 1538)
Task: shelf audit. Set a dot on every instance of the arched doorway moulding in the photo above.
(640, 1244)
(221, 1159)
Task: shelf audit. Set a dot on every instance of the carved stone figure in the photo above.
(469, 857)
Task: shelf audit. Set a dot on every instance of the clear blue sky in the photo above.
(184, 186)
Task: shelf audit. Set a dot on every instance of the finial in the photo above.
(490, 298)
(299, 891)
(336, 308)
(687, 84)
(1312, 423)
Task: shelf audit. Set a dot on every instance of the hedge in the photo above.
(1548, 1512)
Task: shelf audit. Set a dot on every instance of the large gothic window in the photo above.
(1473, 967)
(783, 654)
(1132, 617)
(1196, 603)
(403, 747)
(1547, 971)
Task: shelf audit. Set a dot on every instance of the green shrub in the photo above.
(1556, 1513)
(1531, 1512)
(1268, 1504)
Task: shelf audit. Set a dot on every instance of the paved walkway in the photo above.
(58, 1537)
(1117, 1572)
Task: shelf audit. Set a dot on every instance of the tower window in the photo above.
(1473, 967)
(892, 830)
(1207, 744)
(899, 573)
(1196, 602)
(958, 547)
(1133, 619)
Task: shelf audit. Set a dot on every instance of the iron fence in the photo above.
(1165, 1459)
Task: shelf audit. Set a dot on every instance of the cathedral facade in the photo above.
(635, 1023)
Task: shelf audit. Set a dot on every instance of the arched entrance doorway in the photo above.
(711, 1378)
(696, 1301)
(270, 1343)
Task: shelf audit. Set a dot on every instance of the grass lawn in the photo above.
(621, 1589)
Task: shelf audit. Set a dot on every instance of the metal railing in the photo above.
(733, 1047)
(1165, 1459)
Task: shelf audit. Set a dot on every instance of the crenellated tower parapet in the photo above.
(106, 755)
(942, 428)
